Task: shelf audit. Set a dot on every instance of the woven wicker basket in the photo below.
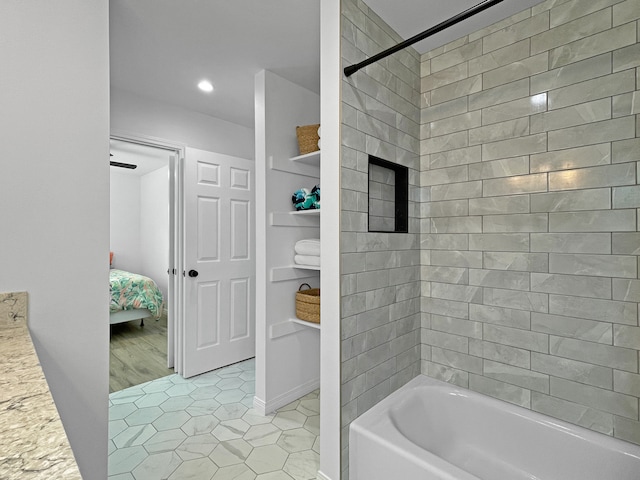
(308, 138)
(308, 304)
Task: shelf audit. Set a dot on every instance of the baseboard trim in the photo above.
(259, 406)
(264, 408)
(321, 476)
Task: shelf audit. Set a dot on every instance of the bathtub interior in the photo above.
(491, 439)
(416, 413)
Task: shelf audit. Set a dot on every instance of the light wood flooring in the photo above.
(138, 354)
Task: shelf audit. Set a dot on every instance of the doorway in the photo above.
(141, 244)
(189, 211)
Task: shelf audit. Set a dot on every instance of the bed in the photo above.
(133, 297)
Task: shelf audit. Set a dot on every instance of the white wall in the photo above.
(286, 365)
(330, 82)
(139, 233)
(125, 217)
(154, 227)
(135, 115)
(54, 196)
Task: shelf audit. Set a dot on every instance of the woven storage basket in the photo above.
(308, 138)
(308, 304)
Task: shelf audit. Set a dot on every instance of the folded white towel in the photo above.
(310, 246)
(309, 240)
(312, 260)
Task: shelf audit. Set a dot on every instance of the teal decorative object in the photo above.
(303, 199)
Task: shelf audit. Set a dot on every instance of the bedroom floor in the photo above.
(205, 428)
(138, 354)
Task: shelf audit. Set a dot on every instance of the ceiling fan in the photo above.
(120, 164)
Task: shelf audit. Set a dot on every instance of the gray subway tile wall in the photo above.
(381, 199)
(532, 296)
(381, 289)
(519, 278)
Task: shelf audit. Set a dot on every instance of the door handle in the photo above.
(193, 273)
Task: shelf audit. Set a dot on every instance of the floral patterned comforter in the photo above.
(130, 291)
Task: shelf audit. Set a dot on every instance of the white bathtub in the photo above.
(431, 430)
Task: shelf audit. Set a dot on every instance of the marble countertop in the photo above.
(33, 443)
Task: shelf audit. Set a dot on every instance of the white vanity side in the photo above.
(287, 354)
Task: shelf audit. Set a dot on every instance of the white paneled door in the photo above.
(219, 261)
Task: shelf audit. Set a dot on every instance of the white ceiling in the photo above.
(162, 48)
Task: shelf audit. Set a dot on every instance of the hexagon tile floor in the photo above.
(204, 428)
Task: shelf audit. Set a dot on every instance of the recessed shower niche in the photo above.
(388, 196)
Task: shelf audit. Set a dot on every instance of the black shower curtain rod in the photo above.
(350, 70)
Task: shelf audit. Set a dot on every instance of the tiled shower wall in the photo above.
(380, 271)
(382, 199)
(530, 149)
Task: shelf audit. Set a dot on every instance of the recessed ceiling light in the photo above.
(205, 86)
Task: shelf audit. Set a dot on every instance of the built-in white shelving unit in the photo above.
(307, 267)
(281, 337)
(312, 158)
(293, 272)
(305, 323)
(303, 218)
(315, 211)
(300, 219)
